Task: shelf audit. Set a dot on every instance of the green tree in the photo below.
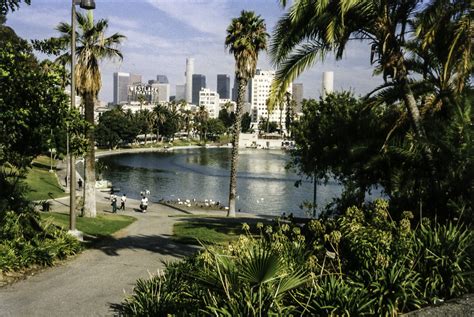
(92, 47)
(246, 37)
(160, 117)
(10, 5)
(32, 101)
(312, 29)
(215, 128)
(246, 120)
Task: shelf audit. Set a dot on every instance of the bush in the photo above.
(361, 263)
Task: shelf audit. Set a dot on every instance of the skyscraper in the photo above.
(180, 92)
(121, 82)
(162, 79)
(328, 83)
(189, 79)
(298, 96)
(223, 86)
(135, 79)
(198, 82)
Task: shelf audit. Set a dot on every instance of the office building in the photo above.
(210, 100)
(135, 79)
(328, 84)
(162, 79)
(223, 86)
(198, 82)
(260, 86)
(189, 79)
(180, 92)
(121, 82)
(297, 93)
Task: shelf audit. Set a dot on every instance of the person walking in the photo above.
(113, 198)
(144, 203)
(122, 202)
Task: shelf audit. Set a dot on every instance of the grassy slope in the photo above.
(102, 225)
(43, 183)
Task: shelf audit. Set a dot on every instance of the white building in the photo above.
(210, 100)
(189, 79)
(260, 86)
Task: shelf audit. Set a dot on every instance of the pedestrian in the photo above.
(114, 203)
(122, 202)
(79, 182)
(144, 204)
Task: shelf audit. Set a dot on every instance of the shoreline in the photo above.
(149, 149)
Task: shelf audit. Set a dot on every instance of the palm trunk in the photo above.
(414, 113)
(235, 148)
(89, 199)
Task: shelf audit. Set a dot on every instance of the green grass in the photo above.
(43, 183)
(208, 230)
(101, 226)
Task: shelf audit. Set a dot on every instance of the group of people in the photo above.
(113, 202)
(123, 200)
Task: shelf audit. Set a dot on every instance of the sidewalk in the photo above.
(97, 278)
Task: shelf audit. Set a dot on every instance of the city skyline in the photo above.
(161, 34)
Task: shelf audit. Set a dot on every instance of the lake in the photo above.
(264, 186)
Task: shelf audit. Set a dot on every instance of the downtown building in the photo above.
(210, 101)
(122, 81)
(223, 86)
(198, 83)
(259, 92)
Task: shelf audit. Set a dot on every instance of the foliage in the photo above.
(10, 5)
(360, 263)
(32, 101)
(116, 127)
(41, 182)
(266, 126)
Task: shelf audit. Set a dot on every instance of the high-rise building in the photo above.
(161, 92)
(198, 82)
(298, 96)
(328, 83)
(210, 100)
(180, 92)
(121, 82)
(189, 79)
(259, 93)
(135, 79)
(162, 79)
(223, 86)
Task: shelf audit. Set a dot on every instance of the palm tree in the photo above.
(92, 47)
(160, 118)
(246, 37)
(313, 28)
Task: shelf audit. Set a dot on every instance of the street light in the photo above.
(89, 5)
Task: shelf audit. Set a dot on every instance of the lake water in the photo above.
(264, 186)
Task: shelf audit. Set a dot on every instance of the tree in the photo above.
(160, 117)
(215, 128)
(10, 5)
(32, 101)
(246, 37)
(201, 118)
(93, 46)
(246, 120)
(314, 28)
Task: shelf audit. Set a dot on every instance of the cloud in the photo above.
(209, 17)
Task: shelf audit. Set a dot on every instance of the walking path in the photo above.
(98, 277)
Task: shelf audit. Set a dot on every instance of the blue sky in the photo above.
(162, 33)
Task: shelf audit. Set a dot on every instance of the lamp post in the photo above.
(89, 5)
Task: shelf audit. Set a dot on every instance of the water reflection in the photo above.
(264, 185)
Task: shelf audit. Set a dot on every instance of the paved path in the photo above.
(97, 278)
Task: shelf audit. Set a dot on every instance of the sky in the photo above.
(161, 34)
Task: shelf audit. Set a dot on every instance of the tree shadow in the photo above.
(160, 244)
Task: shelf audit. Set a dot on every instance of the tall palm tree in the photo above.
(92, 47)
(313, 28)
(246, 37)
(160, 117)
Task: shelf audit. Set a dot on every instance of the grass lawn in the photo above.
(208, 230)
(43, 183)
(101, 226)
